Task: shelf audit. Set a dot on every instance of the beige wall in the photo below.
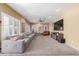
(51, 27)
(8, 10)
(5, 8)
(71, 27)
(27, 27)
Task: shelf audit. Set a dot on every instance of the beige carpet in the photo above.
(46, 46)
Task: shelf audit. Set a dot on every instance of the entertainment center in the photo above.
(58, 31)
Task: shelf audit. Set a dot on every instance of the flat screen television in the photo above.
(58, 26)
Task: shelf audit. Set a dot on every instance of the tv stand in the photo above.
(58, 36)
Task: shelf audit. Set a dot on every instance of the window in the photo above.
(10, 25)
(11, 22)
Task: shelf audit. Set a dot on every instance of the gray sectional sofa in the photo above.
(17, 44)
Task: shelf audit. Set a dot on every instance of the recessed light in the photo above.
(50, 16)
(58, 10)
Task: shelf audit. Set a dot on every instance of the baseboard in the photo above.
(72, 46)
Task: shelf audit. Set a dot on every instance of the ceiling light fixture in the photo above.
(50, 16)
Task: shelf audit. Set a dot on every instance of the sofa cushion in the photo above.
(14, 38)
(7, 38)
(10, 46)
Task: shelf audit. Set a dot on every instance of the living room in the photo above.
(30, 29)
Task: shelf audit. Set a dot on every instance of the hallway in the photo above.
(46, 46)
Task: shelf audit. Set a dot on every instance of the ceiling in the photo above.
(48, 12)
